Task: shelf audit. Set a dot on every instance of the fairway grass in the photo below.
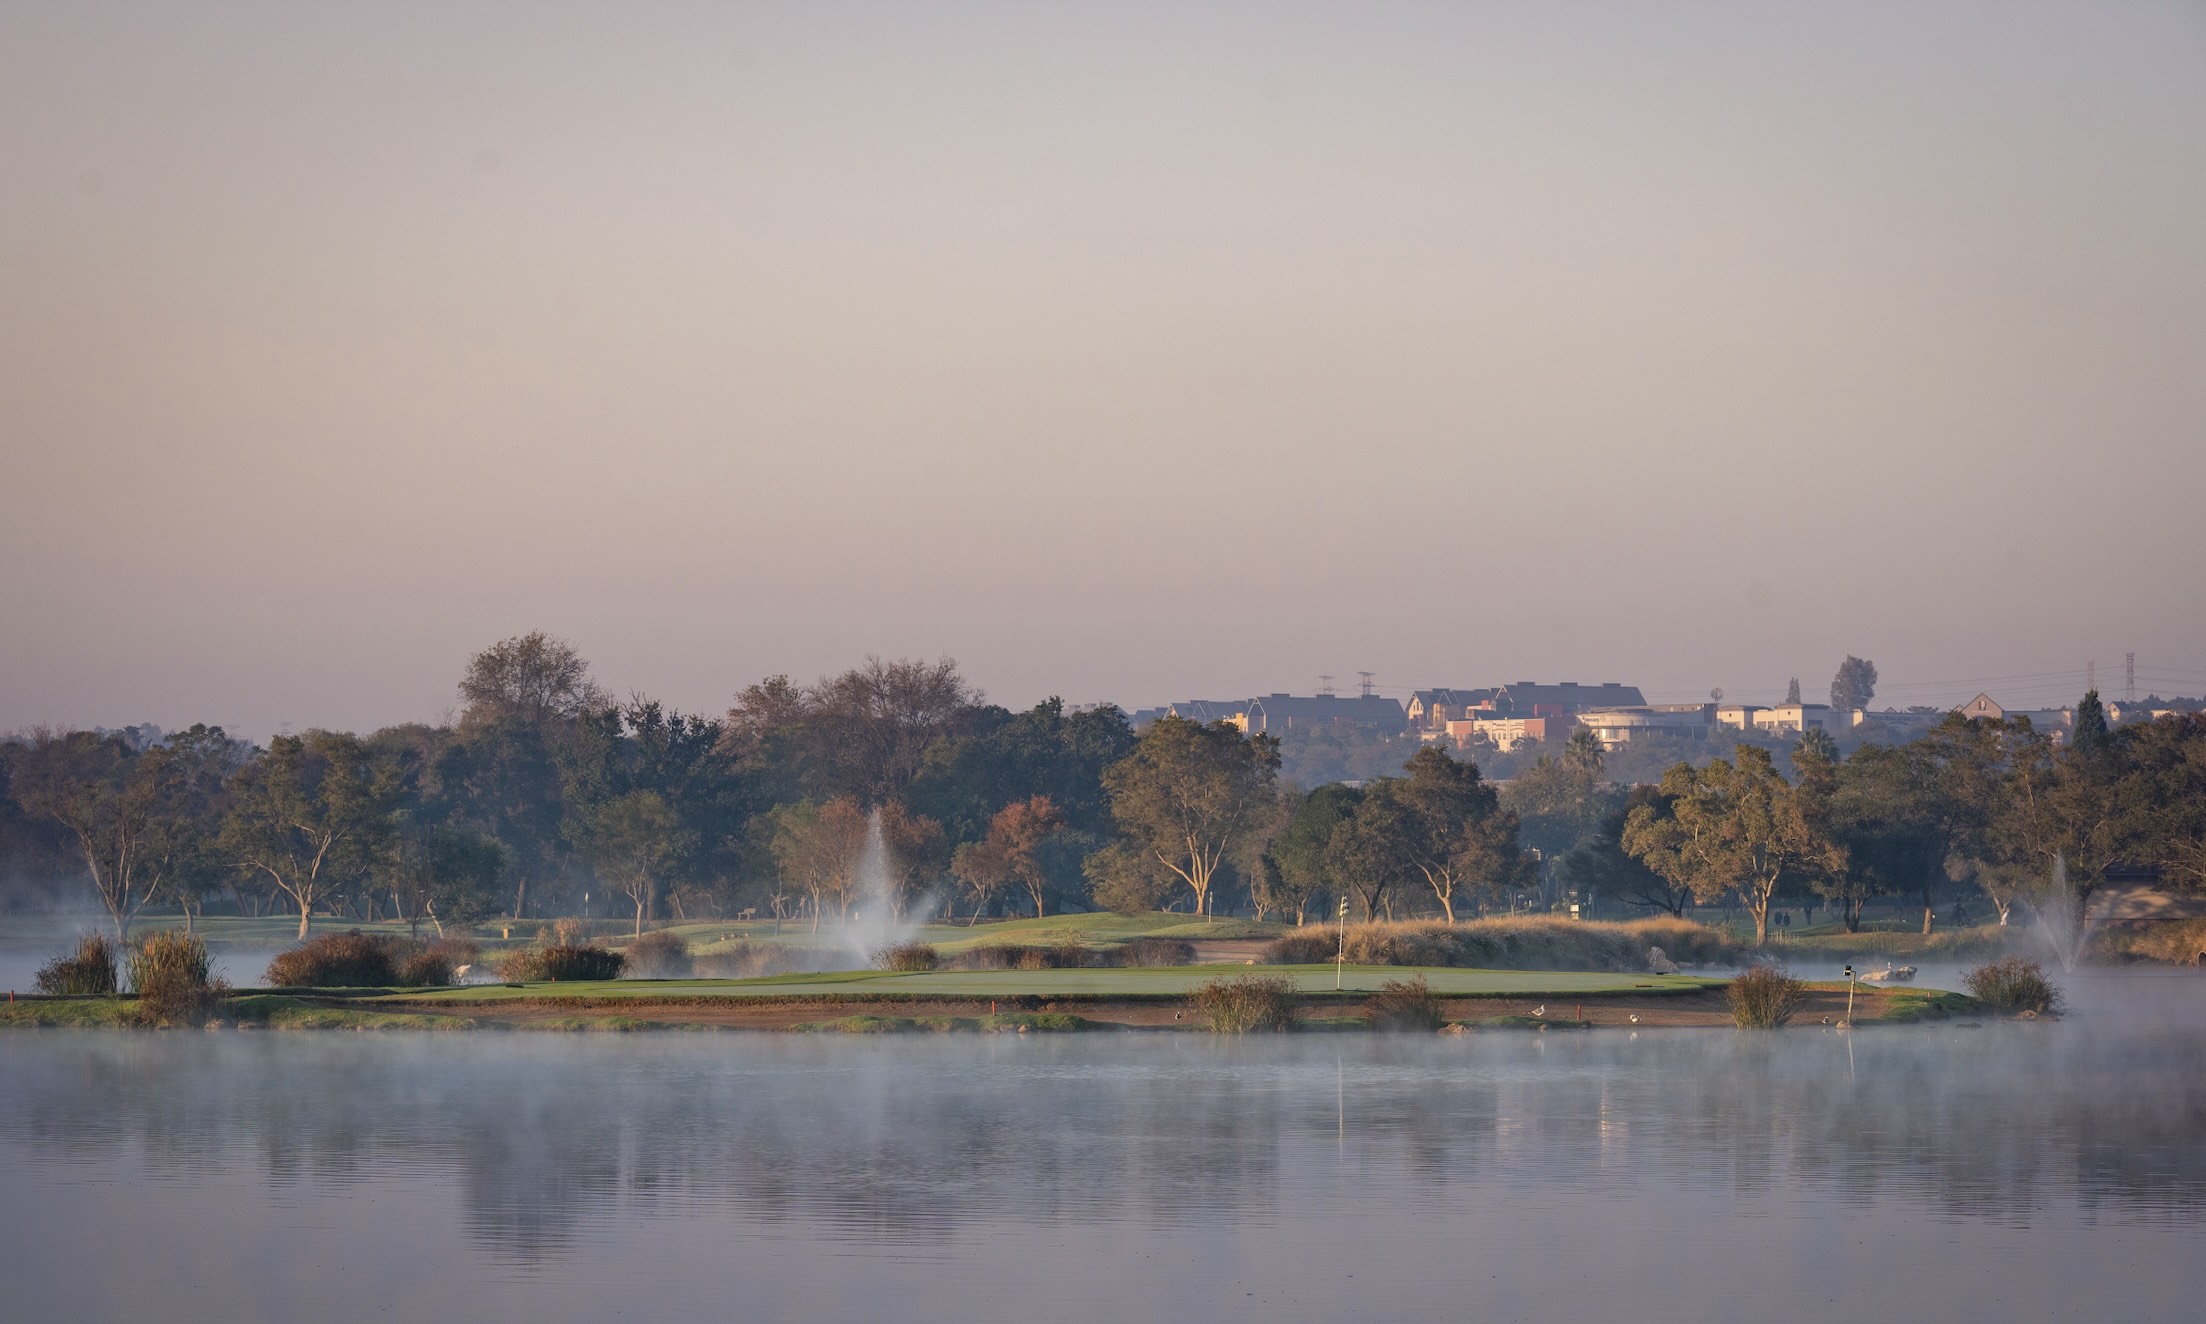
(1163, 982)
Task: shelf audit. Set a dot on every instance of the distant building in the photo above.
(1738, 716)
(1202, 711)
(1277, 714)
(1506, 733)
(1526, 698)
(2057, 722)
(1432, 710)
(1618, 727)
(1792, 719)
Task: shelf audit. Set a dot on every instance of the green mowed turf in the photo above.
(1168, 981)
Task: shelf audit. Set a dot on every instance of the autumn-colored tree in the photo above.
(1014, 853)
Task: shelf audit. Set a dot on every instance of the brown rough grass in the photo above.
(1520, 942)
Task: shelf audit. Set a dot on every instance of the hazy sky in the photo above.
(1121, 351)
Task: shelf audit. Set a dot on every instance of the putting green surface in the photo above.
(1162, 982)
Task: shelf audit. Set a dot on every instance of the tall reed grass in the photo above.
(535, 965)
(353, 959)
(174, 979)
(1764, 997)
(87, 972)
(1244, 1003)
(1403, 1005)
(2014, 983)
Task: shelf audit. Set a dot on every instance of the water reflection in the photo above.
(551, 1154)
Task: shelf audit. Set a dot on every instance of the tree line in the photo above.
(547, 796)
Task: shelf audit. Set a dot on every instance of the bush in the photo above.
(1246, 1002)
(338, 960)
(1764, 998)
(1151, 952)
(743, 960)
(436, 964)
(1403, 1005)
(174, 980)
(994, 956)
(2016, 983)
(1522, 942)
(88, 972)
(658, 955)
(536, 965)
(1311, 948)
(906, 957)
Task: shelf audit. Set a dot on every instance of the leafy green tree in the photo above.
(1854, 685)
(138, 819)
(2164, 805)
(1734, 827)
(1598, 866)
(1885, 812)
(310, 815)
(1561, 800)
(815, 847)
(533, 679)
(1187, 794)
(635, 840)
(1128, 878)
(1454, 834)
(1302, 853)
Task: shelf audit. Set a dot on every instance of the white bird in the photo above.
(1540, 1010)
(1635, 1018)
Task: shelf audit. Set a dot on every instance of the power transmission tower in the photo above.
(1325, 684)
(2129, 678)
(1367, 675)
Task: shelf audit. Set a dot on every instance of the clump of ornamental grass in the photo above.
(559, 964)
(2014, 983)
(87, 972)
(907, 958)
(658, 955)
(1403, 1005)
(1150, 952)
(174, 980)
(1245, 1003)
(1764, 997)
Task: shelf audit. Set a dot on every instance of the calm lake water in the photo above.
(2012, 1172)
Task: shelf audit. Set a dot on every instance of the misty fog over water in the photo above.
(2012, 1171)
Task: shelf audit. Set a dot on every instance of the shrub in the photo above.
(338, 960)
(1304, 948)
(2015, 983)
(906, 957)
(437, 963)
(658, 955)
(1149, 952)
(1246, 1002)
(88, 972)
(743, 960)
(994, 956)
(1403, 1004)
(535, 965)
(174, 980)
(1764, 998)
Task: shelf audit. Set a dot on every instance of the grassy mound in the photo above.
(1525, 942)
